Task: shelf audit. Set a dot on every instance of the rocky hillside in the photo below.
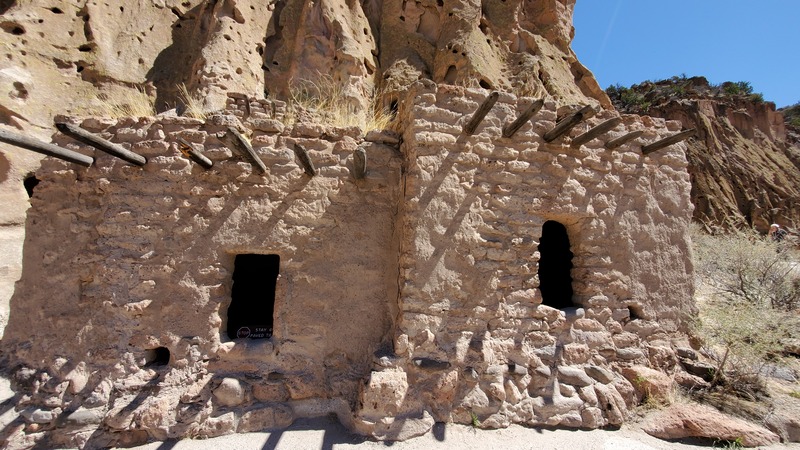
(744, 159)
(791, 115)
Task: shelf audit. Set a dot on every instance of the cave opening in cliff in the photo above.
(555, 264)
(253, 296)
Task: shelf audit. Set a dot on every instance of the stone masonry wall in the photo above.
(408, 297)
(121, 260)
(473, 340)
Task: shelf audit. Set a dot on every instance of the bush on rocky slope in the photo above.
(749, 303)
(638, 98)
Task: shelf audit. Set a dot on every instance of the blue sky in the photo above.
(630, 41)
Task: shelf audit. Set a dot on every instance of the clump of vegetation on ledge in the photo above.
(791, 114)
(639, 98)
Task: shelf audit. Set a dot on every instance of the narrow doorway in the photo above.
(555, 264)
(253, 296)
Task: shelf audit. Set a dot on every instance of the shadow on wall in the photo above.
(178, 63)
(5, 168)
(5, 5)
(272, 43)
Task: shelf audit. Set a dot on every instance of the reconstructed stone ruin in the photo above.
(466, 276)
(86, 57)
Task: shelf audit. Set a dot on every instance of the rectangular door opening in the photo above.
(253, 296)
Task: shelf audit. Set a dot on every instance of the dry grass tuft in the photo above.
(192, 103)
(323, 101)
(125, 103)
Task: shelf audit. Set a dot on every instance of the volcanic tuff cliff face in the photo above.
(59, 56)
(745, 169)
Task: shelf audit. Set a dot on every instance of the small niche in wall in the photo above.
(555, 264)
(158, 356)
(30, 182)
(253, 296)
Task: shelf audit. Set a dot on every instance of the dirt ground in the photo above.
(327, 433)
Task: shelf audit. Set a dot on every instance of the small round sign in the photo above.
(243, 332)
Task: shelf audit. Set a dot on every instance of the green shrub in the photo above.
(748, 286)
(747, 266)
(792, 115)
(732, 88)
(629, 98)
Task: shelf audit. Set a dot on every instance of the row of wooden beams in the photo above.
(188, 151)
(234, 139)
(604, 127)
(510, 129)
(81, 135)
(568, 123)
(45, 148)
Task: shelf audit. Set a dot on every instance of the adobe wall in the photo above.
(405, 298)
(120, 260)
(473, 340)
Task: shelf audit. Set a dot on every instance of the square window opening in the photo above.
(250, 315)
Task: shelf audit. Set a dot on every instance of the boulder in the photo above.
(270, 417)
(649, 383)
(691, 420)
(230, 392)
(384, 393)
(403, 428)
(574, 376)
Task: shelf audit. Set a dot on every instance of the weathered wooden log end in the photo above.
(624, 139)
(45, 148)
(510, 129)
(238, 141)
(116, 150)
(188, 151)
(569, 123)
(305, 160)
(359, 163)
(667, 141)
(481, 112)
(604, 127)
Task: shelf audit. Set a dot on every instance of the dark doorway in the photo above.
(555, 263)
(253, 296)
